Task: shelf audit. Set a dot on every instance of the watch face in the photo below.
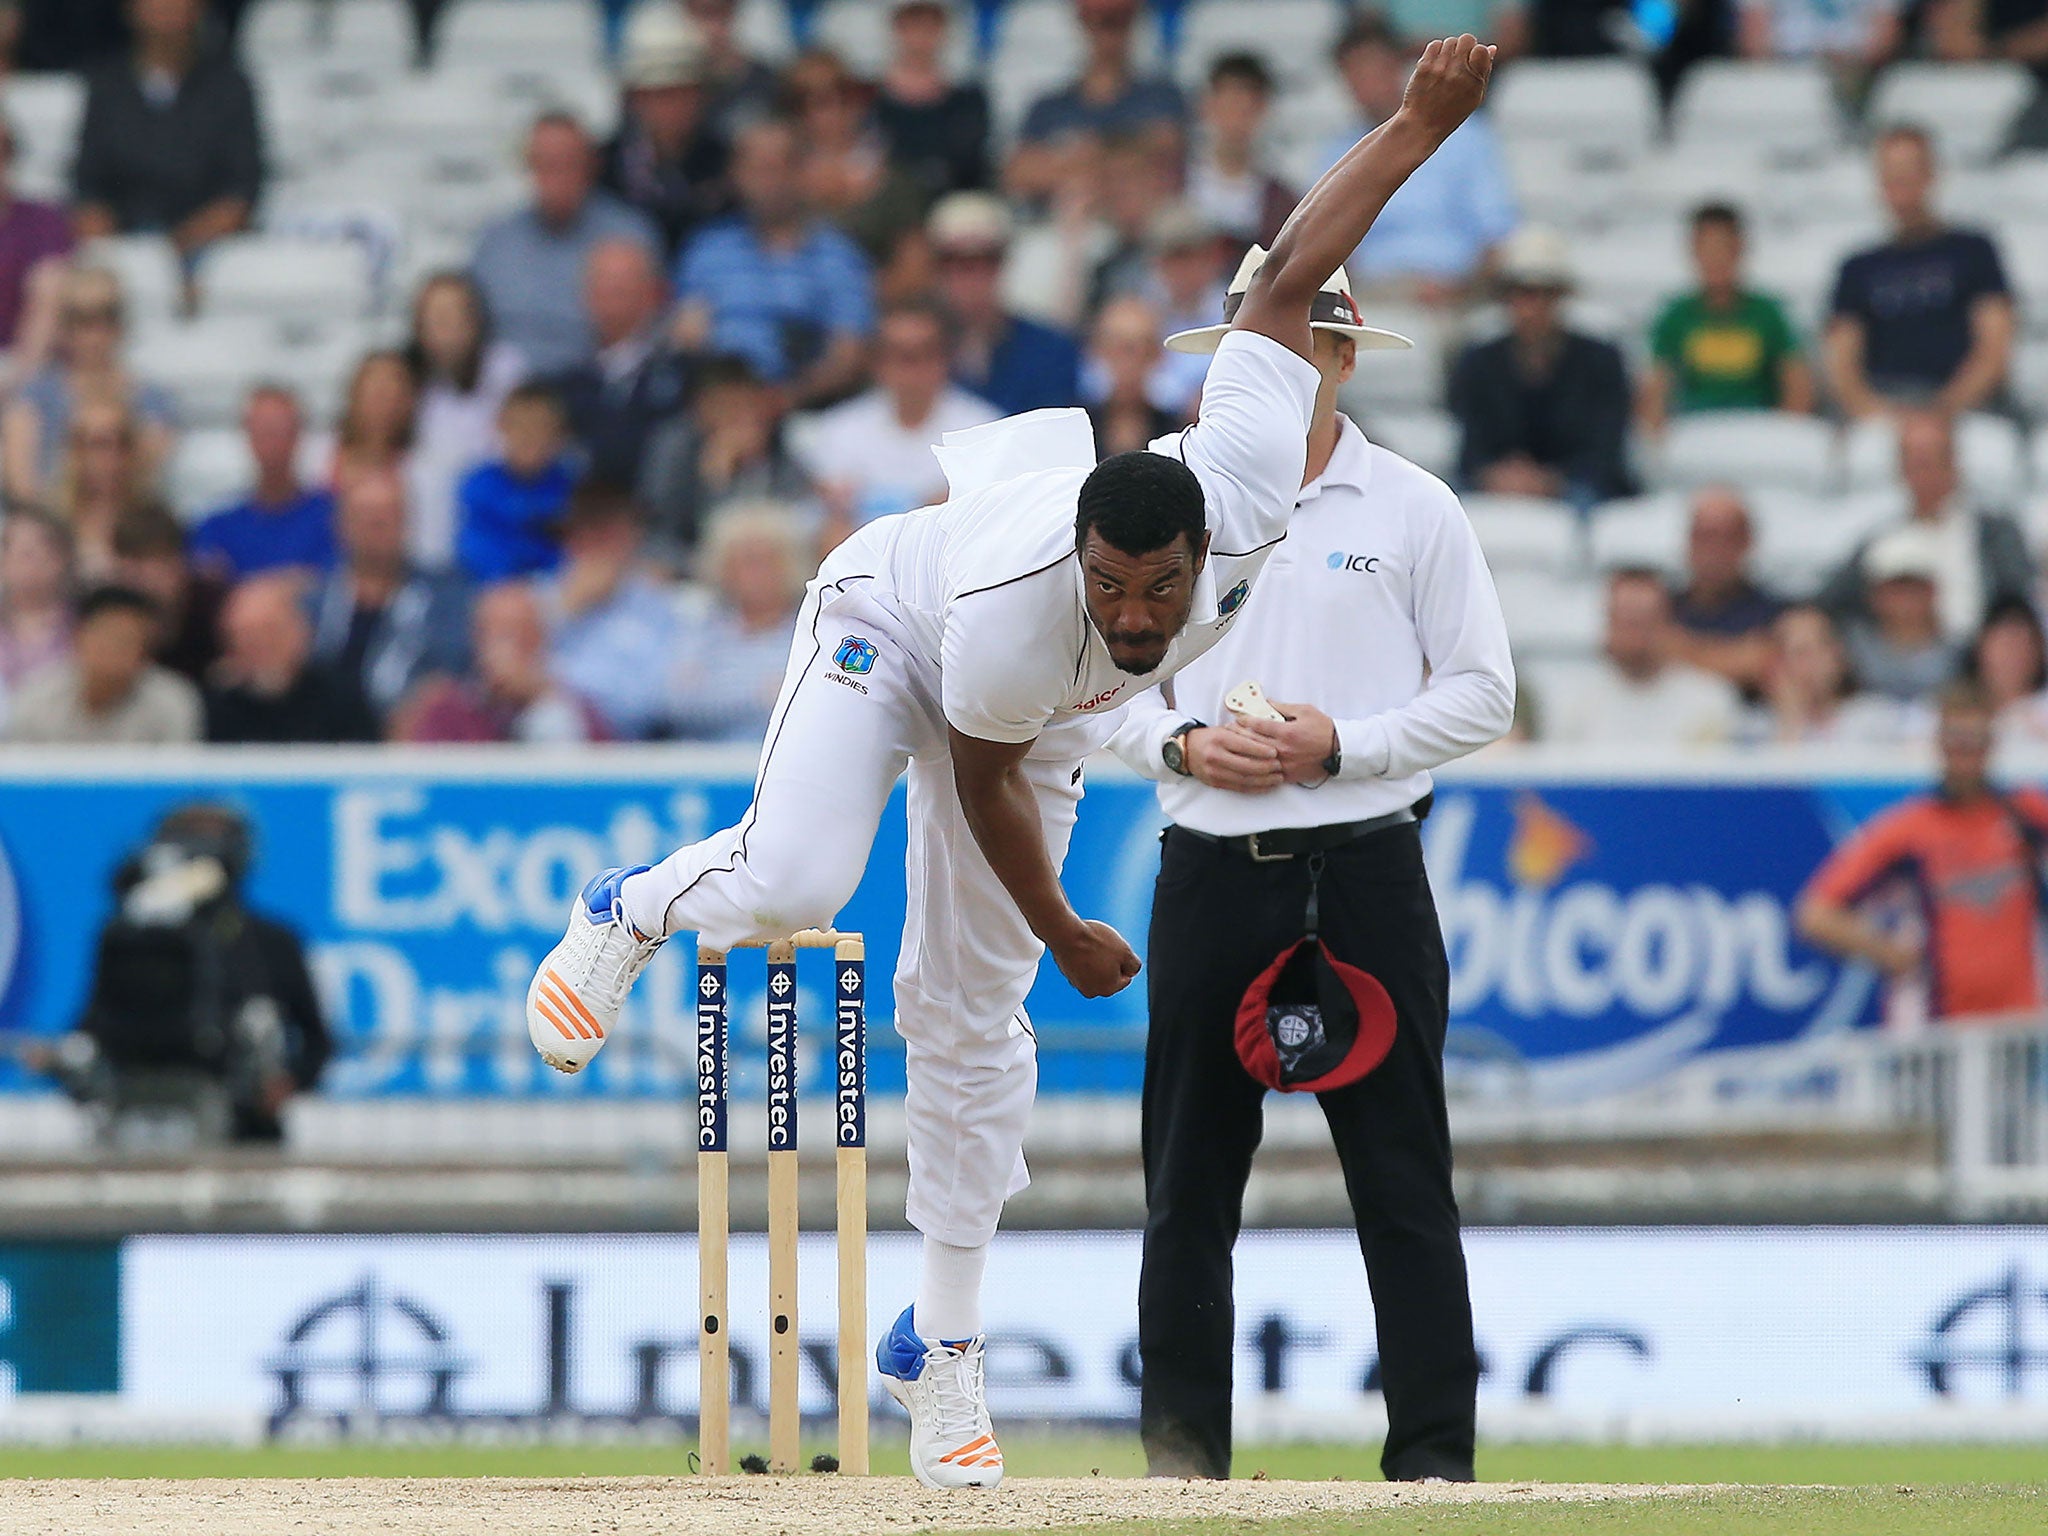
(1176, 757)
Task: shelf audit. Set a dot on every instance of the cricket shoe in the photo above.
(581, 986)
(952, 1443)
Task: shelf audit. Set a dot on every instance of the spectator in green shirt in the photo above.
(1722, 347)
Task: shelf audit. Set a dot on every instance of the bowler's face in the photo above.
(1138, 603)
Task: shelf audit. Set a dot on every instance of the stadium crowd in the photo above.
(316, 428)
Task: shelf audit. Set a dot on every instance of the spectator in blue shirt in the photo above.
(1110, 100)
(776, 284)
(612, 628)
(1927, 317)
(282, 521)
(529, 264)
(512, 506)
(1013, 363)
(1438, 236)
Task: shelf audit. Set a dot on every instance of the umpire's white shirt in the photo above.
(1378, 609)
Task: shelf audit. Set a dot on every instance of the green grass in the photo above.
(1921, 1465)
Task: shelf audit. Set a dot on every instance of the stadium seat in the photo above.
(2023, 247)
(1800, 540)
(1674, 181)
(858, 32)
(1633, 269)
(1405, 380)
(278, 31)
(1294, 37)
(1749, 449)
(1838, 189)
(376, 34)
(1426, 438)
(2023, 187)
(454, 111)
(1556, 189)
(265, 275)
(208, 468)
(44, 112)
(2030, 381)
(1969, 108)
(1639, 532)
(1799, 266)
(152, 279)
(1526, 533)
(1549, 613)
(1784, 108)
(208, 364)
(762, 27)
(1306, 120)
(1990, 450)
(564, 32)
(1602, 110)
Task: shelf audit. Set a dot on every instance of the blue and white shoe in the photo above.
(952, 1443)
(582, 984)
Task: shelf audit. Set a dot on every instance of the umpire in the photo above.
(1379, 614)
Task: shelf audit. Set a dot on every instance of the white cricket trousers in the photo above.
(836, 744)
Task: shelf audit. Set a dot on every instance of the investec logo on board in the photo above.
(711, 1058)
(850, 1124)
(781, 1057)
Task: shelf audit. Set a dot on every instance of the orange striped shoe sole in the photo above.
(976, 1453)
(562, 1008)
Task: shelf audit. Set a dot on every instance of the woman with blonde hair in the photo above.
(36, 425)
(379, 418)
(104, 471)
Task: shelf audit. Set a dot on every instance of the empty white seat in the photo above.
(1635, 269)
(1787, 107)
(859, 32)
(1553, 187)
(1393, 379)
(1675, 181)
(1969, 108)
(1800, 540)
(1800, 266)
(208, 364)
(44, 112)
(1748, 448)
(1639, 532)
(1426, 438)
(569, 32)
(278, 30)
(1526, 533)
(1550, 613)
(1835, 189)
(2023, 247)
(152, 280)
(1990, 453)
(1601, 109)
(453, 111)
(376, 33)
(276, 276)
(209, 468)
(1294, 37)
(762, 26)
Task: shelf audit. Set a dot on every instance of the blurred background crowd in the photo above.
(498, 370)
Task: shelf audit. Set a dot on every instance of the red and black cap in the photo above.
(1311, 1023)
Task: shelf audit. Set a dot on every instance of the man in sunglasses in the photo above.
(1943, 893)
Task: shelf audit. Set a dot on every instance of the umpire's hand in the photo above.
(1231, 757)
(1305, 741)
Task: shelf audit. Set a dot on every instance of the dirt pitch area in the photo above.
(650, 1506)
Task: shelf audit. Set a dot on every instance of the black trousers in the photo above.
(1218, 919)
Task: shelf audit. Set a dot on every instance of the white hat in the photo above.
(976, 220)
(662, 47)
(1913, 549)
(1536, 257)
(1332, 310)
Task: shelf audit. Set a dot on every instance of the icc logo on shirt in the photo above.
(855, 655)
(1339, 561)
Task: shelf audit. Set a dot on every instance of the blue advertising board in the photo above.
(1600, 932)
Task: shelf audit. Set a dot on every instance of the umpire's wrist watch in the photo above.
(1174, 753)
(1335, 760)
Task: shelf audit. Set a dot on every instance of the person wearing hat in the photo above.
(1897, 647)
(1294, 945)
(1544, 410)
(1014, 363)
(936, 127)
(666, 159)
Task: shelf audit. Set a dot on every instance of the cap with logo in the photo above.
(1912, 550)
(1332, 309)
(969, 221)
(1311, 1023)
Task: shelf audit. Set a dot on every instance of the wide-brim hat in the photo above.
(1332, 309)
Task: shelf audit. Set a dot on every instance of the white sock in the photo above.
(645, 914)
(949, 1292)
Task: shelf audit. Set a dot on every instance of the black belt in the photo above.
(1289, 842)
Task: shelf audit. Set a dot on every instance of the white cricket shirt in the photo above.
(989, 584)
(1380, 611)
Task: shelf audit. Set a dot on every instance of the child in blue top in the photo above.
(512, 506)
